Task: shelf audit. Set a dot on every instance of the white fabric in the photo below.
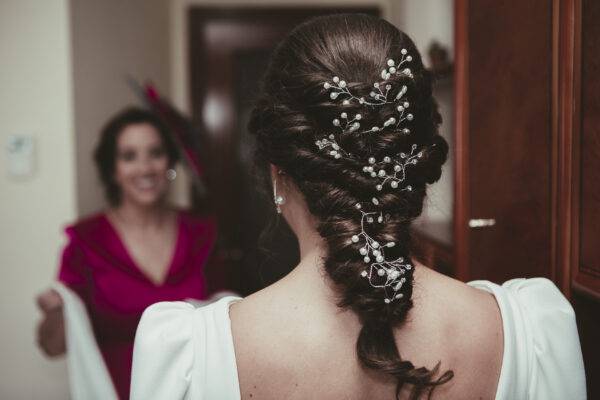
(542, 355)
(182, 352)
(88, 376)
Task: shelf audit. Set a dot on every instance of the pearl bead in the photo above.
(376, 253)
(370, 220)
(409, 117)
(386, 159)
(358, 206)
(366, 259)
(342, 84)
(358, 117)
(344, 115)
(371, 160)
(355, 238)
(333, 95)
(381, 272)
(375, 201)
(393, 70)
(399, 296)
(409, 58)
(373, 174)
(397, 168)
(375, 245)
(381, 173)
(364, 274)
(326, 85)
(391, 62)
(388, 87)
(336, 79)
(391, 244)
(363, 251)
(376, 85)
(400, 108)
(387, 301)
(346, 102)
(378, 187)
(394, 184)
(336, 122)
(379, 259)
(403, 52)
(406, 104)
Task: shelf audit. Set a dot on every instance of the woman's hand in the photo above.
(51, 329)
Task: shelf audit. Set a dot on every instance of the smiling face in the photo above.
(141, 165)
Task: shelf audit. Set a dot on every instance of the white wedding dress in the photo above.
(183, 352)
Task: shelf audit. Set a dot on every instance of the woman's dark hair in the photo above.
(294, 110)
(105, 154)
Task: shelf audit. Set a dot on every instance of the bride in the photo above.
(347, 133)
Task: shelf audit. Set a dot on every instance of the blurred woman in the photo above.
(137, 252)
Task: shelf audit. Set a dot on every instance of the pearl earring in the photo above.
(171, 174)
(278, 199)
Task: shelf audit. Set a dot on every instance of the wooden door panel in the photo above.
(510, 138)
(587, 272)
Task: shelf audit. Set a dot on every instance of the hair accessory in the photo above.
(279, 200)
(389, 275)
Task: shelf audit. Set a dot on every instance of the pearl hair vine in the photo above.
(381, 273)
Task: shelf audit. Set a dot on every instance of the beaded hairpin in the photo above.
(382, 273)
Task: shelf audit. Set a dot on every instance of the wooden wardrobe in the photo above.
(527, 140)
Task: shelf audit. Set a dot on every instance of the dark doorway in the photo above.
(229, 50)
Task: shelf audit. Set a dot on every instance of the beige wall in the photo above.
(35, 99)
(112, 39)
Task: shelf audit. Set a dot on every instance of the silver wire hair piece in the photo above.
(381, 273)
(389, 275)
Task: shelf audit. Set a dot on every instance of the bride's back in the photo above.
(292, 342)
(348, 129)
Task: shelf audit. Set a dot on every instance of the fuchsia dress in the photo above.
(96, 265)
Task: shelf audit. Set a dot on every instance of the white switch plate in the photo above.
(20, 155)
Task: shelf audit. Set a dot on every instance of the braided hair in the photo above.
(292, 121)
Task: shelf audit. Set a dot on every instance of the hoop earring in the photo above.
(277, 199)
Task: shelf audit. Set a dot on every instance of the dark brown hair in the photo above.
(105, 154)
(294, 110)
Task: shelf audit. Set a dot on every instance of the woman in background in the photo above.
(136, 253)
(347, 134)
